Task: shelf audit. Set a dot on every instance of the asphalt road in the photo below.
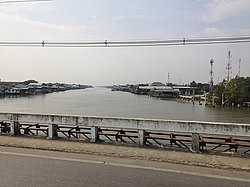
(24, 167)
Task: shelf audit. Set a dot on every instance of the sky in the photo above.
(118, 20)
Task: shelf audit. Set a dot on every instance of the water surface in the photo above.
(103, 102)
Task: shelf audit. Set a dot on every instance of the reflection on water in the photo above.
(103, 102)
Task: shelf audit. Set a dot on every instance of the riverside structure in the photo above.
(32, 87)
(163, 91)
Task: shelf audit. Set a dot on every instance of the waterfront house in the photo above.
(13, 91)
(142, 90)
(1, 90)
(40, 88)
(157, 89)
(164, 92)
(185, 90)
(123, 88)
(25, 89)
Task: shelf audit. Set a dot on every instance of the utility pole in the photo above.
(211, 75)
(168, 78)
(239, 67)
(229, 66)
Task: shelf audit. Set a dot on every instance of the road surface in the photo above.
(25, 167)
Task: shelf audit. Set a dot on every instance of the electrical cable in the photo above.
(24, 1)
(137, 43)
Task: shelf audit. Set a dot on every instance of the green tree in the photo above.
(219, 93)
(238, 90)
(30, 81)
(193, 84)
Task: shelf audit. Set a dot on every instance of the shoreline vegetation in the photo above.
(235, 93)
(33, 87)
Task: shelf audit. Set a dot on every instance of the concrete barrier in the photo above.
(194, 127)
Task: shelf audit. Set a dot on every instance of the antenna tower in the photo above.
(229, 66)
(211, 74)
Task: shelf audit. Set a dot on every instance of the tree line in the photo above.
(235, 92)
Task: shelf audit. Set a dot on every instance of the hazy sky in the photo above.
(90, 20)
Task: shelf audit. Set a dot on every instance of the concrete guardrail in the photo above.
(94, 122)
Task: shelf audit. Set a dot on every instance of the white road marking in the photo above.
(182, 172)
(130, 166)
(53, 158)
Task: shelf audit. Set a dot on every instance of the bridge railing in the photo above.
(139, 131)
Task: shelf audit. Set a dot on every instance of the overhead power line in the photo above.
(128, 43)
(24, 1)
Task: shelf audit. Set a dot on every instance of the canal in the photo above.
(103, 102)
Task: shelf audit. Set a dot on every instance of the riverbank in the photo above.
(128, 151)
(32, 87)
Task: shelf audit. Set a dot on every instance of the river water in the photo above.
(103, 102)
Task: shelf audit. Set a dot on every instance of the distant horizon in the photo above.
(111, 84)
